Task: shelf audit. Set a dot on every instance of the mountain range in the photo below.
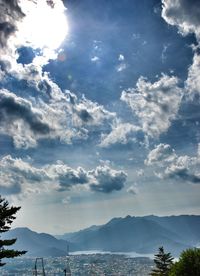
(139, 234)
(38, 244)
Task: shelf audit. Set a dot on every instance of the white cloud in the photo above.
(184, 14)
(170, 165)
(107, 180)
(21, 177)
(121, 57)
(140, 172)
(162, 154)
(18, 118)
(122, 133)
(192, 84)
(95, 59)
(132, 190)
(121, 67)
(62, 117)
(156, 104)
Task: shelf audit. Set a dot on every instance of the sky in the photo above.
(99, 110)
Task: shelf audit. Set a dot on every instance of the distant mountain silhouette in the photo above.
(76, 237)
(186, 227)
(139, 234)
(38, 244)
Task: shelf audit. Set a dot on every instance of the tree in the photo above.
(188, 264)
(7, 215)
(163, 262)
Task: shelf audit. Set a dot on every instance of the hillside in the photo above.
(38, 244)
(138, 234)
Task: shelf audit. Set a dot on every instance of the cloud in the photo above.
(170, 165)
(122, 133)
(156, 104)
(13, 108)
(121, 67)
(90, 113)
(121, 57)
(184, 14)
(42, 110)
(162, 154)
(29, 24)
(107, 180)
(66, 176)
(10, 14)
(61, 116)
(18, 176)
(22, 177)
(95, 59)
(132, 190)
(192, 83)
(19, 118)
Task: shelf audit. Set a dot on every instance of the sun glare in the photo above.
(45, 24)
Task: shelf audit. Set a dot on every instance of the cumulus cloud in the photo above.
(156, 104)
(14, 108)
(63, 116)
(90, 113)
(32, 24)
(122, 133)
(171, 165)
(184, 14)
(105, 180)
(19, 176)
(10, 14)
(193, 79)
(19, 118)
(42, 111)
(162, 154)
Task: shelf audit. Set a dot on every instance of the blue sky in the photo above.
(99, 108)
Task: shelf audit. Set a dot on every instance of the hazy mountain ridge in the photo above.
(38, 244)
(139, 234)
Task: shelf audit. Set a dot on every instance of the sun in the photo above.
(45, 24)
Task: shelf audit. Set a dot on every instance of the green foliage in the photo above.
(188, 264)
(7, 215)
(163, 262)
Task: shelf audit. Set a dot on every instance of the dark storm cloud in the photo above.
(13, 108)
(10, 13)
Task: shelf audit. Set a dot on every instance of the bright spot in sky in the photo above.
(44, 25)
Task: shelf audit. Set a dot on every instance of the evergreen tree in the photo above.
(163, 262)
(7, 215)
(188, 264)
